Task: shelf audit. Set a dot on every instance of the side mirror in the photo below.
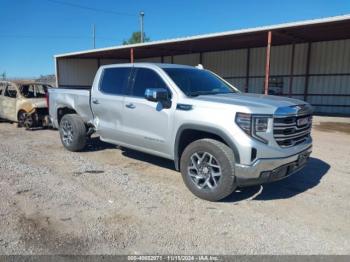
(157, 94)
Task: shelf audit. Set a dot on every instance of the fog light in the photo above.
(265, 174)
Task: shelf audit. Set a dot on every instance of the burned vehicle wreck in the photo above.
(25, 103)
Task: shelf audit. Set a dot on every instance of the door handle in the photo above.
(130, 105)
(95, 101)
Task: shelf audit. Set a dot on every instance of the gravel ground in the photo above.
(108, 200)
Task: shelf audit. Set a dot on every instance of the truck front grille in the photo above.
(292, 130)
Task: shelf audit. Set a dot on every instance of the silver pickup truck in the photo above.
(218, 137)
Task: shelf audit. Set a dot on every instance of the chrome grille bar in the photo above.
(287, 133)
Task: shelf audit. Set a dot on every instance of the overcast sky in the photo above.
(32, 31)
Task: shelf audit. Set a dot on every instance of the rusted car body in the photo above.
(24, 102)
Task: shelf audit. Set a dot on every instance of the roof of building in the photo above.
(324, 29)
(23, 82)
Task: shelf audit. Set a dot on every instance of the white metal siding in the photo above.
(226, 63)
(256, 85)
(330, 57)
(280, 60)
(167, 59)
(300, 58)
(189, 59)
(239, 83)
(329, 100)
(77, 72)
(329, 85)
(150, 60)
(298, 85)
(332, 110)
(113, 61)
(257, 61)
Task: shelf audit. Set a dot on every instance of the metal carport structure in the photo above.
(310, 59)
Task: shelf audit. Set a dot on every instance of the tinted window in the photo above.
(146, 78)
(11, 91)
(114, 80)
(2, 88)
(33, 91)
(195, 82)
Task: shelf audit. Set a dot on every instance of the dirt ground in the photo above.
(108, 200)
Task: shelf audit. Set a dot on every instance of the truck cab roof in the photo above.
(148, 65)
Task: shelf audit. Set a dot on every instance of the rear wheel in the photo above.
(73, 132)
(207, 168)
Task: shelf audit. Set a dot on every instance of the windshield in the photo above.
(194, 82)
(34, 91)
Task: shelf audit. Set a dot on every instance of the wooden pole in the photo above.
(246, 88)
(132, 55)
(290, 91)
(267, 67)
(307, 74)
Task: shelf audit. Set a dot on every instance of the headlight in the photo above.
(260, 127)
(244, 121)
(253, 125)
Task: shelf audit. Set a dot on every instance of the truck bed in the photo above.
(68, 98)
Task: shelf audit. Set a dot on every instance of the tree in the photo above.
(136, 38)
(3, 75)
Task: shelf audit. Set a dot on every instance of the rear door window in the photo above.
(2, 88)
(114, 81)
(11, 91)
(33, 91)
(146, 78)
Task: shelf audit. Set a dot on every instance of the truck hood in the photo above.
(256, 103)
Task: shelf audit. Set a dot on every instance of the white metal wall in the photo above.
(300, 59)
(329, 69)
(113, 61)
(228, 64)
(149, 60)
(167, 59)
(332, 57)
(76, 72)
(191, 59)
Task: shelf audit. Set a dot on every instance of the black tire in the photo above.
(73, 132)
(21, 117)
(222, 156)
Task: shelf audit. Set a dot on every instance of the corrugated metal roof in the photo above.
(214, 35)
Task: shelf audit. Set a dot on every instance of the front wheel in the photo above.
(21, 118)
(73, 132)
(207, 168)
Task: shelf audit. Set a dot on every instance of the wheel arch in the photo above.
(20, 111)
(62, 111)
(25, 106)
(199, 132)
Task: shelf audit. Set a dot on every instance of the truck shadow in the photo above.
(297, 183)
(154, 160)
(95, 144)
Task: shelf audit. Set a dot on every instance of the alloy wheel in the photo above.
(204, 170)
(67, 132)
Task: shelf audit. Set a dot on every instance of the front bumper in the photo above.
(271, 169)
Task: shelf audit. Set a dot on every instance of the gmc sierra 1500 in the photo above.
(217, 136)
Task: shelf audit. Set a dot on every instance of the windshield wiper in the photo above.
(198, 93)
